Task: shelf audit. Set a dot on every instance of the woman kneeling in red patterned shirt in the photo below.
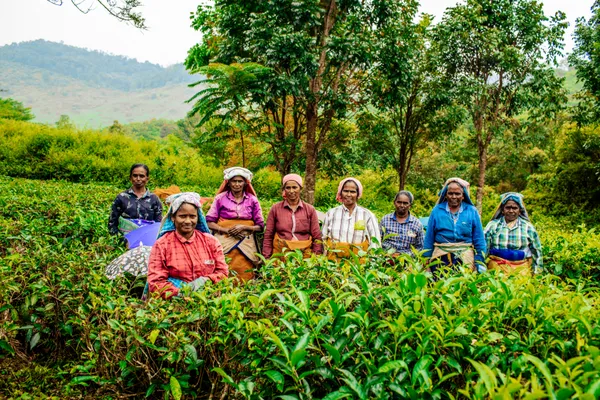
(186, 254)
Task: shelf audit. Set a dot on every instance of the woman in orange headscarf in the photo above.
(235, 217)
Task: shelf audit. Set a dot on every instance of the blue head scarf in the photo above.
(517, 198)
(462, 183)
(175, 202)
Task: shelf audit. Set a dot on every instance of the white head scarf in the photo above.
(237, 171)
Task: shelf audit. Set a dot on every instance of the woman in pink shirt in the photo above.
(234, 217)
(292, 224)
(186, 254)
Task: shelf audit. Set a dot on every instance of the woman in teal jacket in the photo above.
(454, 232)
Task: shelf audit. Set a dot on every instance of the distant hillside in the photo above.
(94, 68)
(93, 88)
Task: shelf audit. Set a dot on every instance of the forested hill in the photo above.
(93, 67)
(93, 88)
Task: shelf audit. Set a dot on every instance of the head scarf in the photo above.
(517, 198)
(406, 193)
(462, 183)
(175, 201)
(237, 171)
(290, 177)
(338, 197)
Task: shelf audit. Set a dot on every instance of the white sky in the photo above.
(169, 35)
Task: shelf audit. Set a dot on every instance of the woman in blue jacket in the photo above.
(454, 233)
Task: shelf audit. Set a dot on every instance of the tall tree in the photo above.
(586, 59)
(227, 98)
(13, 109)
(123, 10)
(496, 55)
(318, 52)
(408, 108)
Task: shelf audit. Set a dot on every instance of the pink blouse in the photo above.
(224, 206)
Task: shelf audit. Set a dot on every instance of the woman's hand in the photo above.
(239, 231)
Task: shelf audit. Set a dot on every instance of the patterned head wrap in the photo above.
(237, 171)
(290, 177)
(175, 201)
(517, 198)
(406, 193)
(462, 183)
(359, 187)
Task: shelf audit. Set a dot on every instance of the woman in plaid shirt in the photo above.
(512, 240)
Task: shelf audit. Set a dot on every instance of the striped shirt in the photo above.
(341, 226)
(522, 236)
(403, 235)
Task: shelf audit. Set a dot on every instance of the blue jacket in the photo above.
(442, 229)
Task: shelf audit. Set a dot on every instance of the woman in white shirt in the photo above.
(349, 227)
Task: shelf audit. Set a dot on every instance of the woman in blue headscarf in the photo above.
(512, 240)
(185, 253)
(454, 233)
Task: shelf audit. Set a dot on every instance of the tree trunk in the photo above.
(310, 174)
(482, 147)
(243, 149)
(403, 165)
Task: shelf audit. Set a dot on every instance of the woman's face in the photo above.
(349, 194)
(292, 191)
(185, 220)
(454, 195)
(402, 205)
(236, 184)
(139, 178)
(511, 211)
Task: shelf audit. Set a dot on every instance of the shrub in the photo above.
(305, 329)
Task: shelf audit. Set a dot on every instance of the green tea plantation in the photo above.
(305, 329)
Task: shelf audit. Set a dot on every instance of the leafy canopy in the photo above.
(13, 109)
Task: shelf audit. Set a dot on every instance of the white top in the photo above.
(341, 226)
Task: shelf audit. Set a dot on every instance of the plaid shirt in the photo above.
(522, 236)
(404, 235)
(174, 256)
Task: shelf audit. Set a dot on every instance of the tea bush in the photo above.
(304, 329)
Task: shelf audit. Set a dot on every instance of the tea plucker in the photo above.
(137, 202)
(401, 231)
(349, 227)
(185, 254)
(235, 217)
(454, 232)
(512, 241)
(292, 224)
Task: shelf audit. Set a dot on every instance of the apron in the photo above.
(242, 252)
(337, 251)
(281, 246)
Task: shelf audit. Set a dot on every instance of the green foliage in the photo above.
(496, 56)
(12, 109)
(317, 53)
(586, 59)
(412, 108)
(573, 177)
(306, 329)
(43, 152)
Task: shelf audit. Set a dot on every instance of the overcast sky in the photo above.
(169, 35)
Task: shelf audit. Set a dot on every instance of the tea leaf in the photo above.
(175, 388)
(153, 335)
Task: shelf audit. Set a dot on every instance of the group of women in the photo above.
(187, 255)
